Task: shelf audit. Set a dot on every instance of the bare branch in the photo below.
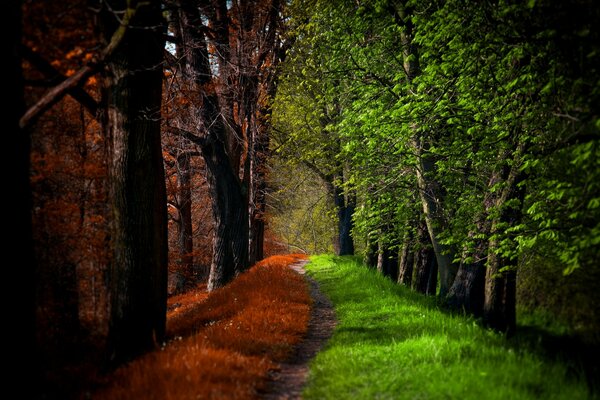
(55, 94)
(192, 137)
(55, 76)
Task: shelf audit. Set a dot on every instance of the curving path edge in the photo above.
(287, 383)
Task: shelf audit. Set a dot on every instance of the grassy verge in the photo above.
(223, 343)
(392, 343)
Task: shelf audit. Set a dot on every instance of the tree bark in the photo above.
(258, 187)
(138, 270)
(407, 259)
(431, 198)
(466, 292)
(370, 256)
(24, 362)
(345, 209)
(185, 260)
(230, 213)
(499, 309)
(229, 195)
(424, 261)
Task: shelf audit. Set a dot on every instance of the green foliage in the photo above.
(392, 343)
(300, 214)
(503, 96)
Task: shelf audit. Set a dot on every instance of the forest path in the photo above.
(288, 382)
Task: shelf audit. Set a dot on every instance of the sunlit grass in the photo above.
(392, 343)
(223, 343)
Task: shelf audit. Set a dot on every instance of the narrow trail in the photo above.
(288, 382)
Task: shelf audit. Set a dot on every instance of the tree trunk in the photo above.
(499, 309)
(219, 148)
(407, 259)
(467, 291)
(345, 209)
(370, 256)
(23, 362)
(432, 280)
(258, 187)
(185, 260)
(424, 261)
(138, 270)
(391, 265)
(431, 197)
(230, 213)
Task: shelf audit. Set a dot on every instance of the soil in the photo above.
(287, 382)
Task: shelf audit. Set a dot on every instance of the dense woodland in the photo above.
(458, 145)
(159, 145)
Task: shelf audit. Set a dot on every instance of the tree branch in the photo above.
(55, 94)
(54, 75)
(192, 137)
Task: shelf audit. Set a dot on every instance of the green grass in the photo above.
(391, 343)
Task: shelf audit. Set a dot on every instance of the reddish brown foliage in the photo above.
(224, 343)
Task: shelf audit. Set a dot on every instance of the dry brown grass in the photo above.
(223, 343)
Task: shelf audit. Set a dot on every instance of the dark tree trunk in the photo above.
(345, 209)
(407, 259)
(229, 196)
(230, 213)
(138, 270)
(370, 256)
(258, 187)
(185, 260)
(391, 265)
(499, 309)
(424, 261)
(432, 280)
(18, 221)
(466, 292)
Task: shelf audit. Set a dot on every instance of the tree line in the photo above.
(107, 95)
(458, 140)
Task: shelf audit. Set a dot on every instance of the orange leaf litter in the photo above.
(224, 343)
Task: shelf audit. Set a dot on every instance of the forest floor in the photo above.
(250, 339)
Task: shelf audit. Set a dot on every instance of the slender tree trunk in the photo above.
(432, 279)
(185, 260)
(370, 256)
(345, 209)
(391, 264)
(138, 271)
(424, 261)
(407, 259)
(23, 362)
(431, 198)
(258, 187)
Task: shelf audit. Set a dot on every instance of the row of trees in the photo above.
(151, 83)
(463, 137)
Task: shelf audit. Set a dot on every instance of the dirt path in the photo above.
(288, 382)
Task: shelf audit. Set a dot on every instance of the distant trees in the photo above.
(232, 70)
(457, 118)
